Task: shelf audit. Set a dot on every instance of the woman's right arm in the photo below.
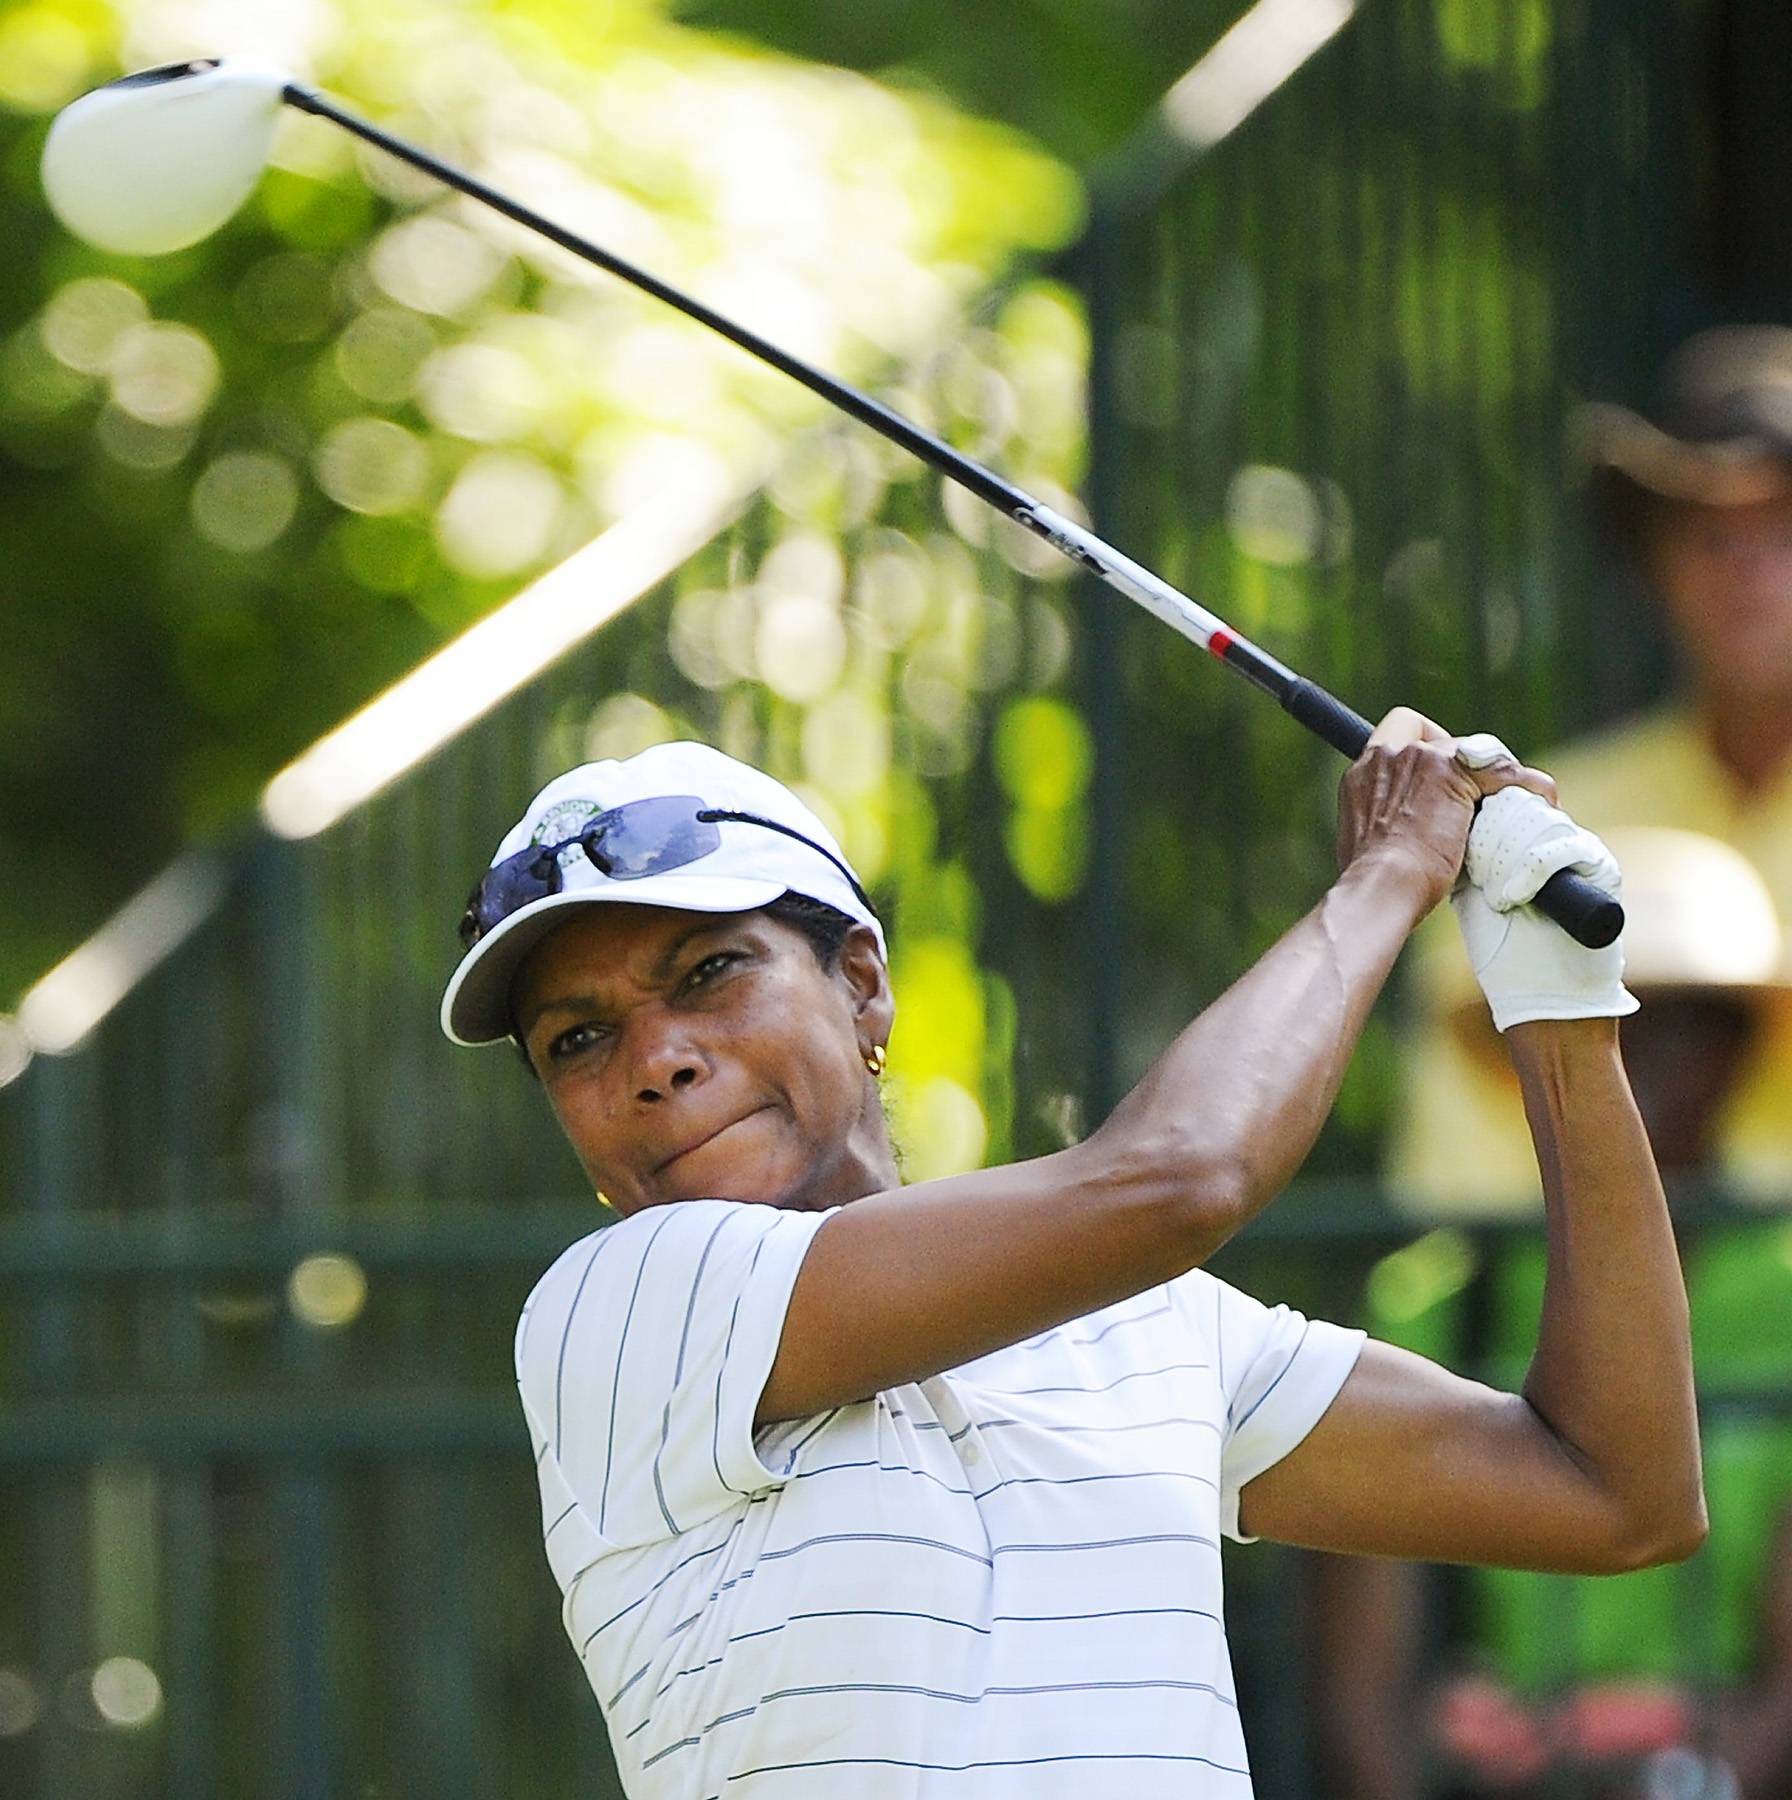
(901, 1285)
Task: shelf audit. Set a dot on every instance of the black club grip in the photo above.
(1326, 716)
(1587, 913)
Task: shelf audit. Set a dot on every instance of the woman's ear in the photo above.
(862, 968)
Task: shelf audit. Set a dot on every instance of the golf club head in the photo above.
(155, 161)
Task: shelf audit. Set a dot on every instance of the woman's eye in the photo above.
(573, 1042)
(710, 967)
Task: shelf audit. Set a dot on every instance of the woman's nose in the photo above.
(665, 1062)
(681, 1077)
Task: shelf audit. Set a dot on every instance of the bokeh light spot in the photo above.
(84, 320)
(1515, 35)
(712, 633)
(805, 562)
(656, 464)
(327, 1290)
(1274, 515)
(800, 646)
(933, 688)
(381, 351)
(941, 1021)
(1048, 848)
(435, 265)
(624, 725)
(245, 500)
(846, 743)
(371, 466)
(126, 1692)
(163, 374)
(500, 515)
(890, 592)
(33, 383)
(968, 515)
(286, 33)
(810, 480)
(480, 391)
(946, 1130)
(1048, 644)
(1044, 756)
(691, 639)
(44, 59)
(21, 1703)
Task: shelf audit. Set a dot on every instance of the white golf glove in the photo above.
(1528, 967)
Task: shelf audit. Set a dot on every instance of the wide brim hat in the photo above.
(752, 865)
(1722, 435)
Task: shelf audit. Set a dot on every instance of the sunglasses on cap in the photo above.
(627, 843)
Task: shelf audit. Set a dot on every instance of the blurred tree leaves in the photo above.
(244, 487)
(1076, 76)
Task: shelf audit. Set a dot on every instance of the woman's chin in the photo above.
(752, 1160)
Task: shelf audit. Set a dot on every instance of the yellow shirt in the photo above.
(1460, 1146)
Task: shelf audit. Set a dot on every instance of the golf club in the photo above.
(155, 161)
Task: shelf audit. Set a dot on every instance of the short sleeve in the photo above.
(643, 1352)
(1278, 1372)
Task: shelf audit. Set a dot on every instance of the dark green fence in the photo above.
(1333, 359)
(266, 1233)
(267, 1521)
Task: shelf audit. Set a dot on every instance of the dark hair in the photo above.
(825, 927)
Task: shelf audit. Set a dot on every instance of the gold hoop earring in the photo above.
(874, 1059)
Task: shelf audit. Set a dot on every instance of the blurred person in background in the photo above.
(1668, 1683)
(1698, 509)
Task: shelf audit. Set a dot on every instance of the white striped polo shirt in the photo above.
(1002, 1581)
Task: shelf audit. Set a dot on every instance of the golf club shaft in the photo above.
(1585, 912)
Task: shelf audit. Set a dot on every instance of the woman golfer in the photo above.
(862, 1490)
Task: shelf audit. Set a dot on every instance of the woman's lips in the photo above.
(703, 1142)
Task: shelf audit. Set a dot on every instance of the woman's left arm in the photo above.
(1594, 1467)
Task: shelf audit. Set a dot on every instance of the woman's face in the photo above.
(709, 1056)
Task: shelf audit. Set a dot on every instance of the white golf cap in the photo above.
(751, 865)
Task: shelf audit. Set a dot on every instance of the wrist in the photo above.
(1560, 1052)
(1398, 878)
(1562, 1043)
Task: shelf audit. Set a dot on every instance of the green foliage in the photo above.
(250, 484)
(245, 487)
(1074, 76)
(902, 658)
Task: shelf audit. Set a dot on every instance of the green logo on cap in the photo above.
(563, 820)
